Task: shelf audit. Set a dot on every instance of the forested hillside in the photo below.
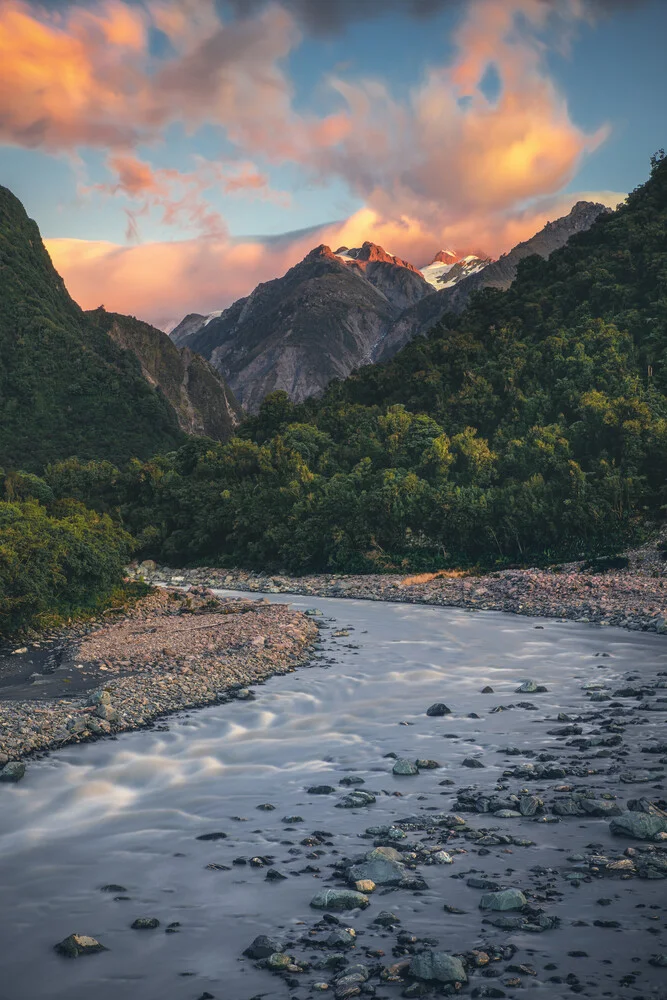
(533, 426)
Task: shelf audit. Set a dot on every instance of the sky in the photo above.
(175, 153)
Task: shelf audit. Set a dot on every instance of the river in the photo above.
(127, 811)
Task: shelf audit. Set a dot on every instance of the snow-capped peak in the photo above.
(448, 267)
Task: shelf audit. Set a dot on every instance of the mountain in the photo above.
(203, 403)
(448, 268)
(419, 318)
(317, 323)
(66, 387)
(338, 310)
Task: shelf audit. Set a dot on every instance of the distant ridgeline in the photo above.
(531, 426)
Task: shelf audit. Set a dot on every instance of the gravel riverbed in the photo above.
(634, 598)
(173, 651)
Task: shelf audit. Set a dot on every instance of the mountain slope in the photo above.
(65, 387)
(203, 403)
(297, 333)
(499, 274)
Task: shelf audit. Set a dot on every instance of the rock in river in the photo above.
(438, 965)
(404, 766)
(13, 771)
(438, 709)
(339, 899)
(379, 869)
(145, 924)
(78, 944)
(262, 947)
(642, 826)
(506, 899)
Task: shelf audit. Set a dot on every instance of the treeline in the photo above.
(532, 427)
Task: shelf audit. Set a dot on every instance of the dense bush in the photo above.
(55, 561)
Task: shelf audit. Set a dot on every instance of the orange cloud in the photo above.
(162, 282)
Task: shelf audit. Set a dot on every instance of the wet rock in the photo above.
(78, 944)
(107, 713)
(487, 991)
(339, 899)
(438, 966)
(506, 899)
(273, 875)
(321, 790)
(529, 805)
(218, 835)
(404, 766)
(379, 869)
(472, 762)
(356, 799)
(13, 771)
(262, 947)
(292, 820)
(442, 858)
(487, 690)
(99, 698)
(279, 960)
(351, 780)
(386, 918)
(365, 885)
(527, 687)
(427, 765)
(343, 937)
(266, 807)
(145, 924)
(659, 961)
(600, 807)
(641, 826)
(438, 709)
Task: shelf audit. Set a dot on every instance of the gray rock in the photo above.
(438, 709)
(356, 799)
(342, 937)
(339, 899)
(427, 765)
(279, 960)
(78, 944)
(404, 766)
(262, 947)
(381, 870)
(13, 771)
(472, 762)
(641, 826)
(99, 698)
(145, 924)
(600, 807)
(321, 790)
(106, 712)
(506, 899)
(438, 965)
(529, 805)
(527, 687)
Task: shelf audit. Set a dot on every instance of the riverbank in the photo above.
(634, 598)
(171, 652)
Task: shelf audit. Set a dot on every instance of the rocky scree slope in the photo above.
(204, 404)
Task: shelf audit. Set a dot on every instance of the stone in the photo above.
(218, 835)
(427, 765)
(365, 885)
(99, 698)
(106, 712)
(145, 924)
(438, 966)
(472, 762)
(78, 944)
(356, 799)
(342, 937)
(262, 947)
(442, 858)
(506, 899)
(379, 869)
(386, 918)
(404, 766)
(321, 790)
(339, 899)
(438, 709)
(641, 826)
(487, 690)
(279, 960)
(529, 805)
(13, 771)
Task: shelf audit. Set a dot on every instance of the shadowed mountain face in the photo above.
(203, 403)
(95, 385)
(336, 311)
(317, 323)
(419, 318)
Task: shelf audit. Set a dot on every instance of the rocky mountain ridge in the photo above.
(335, 311)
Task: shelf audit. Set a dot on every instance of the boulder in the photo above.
(378, 869)
(438, 709)
(506, 899)
(78, 944)
(438, 966)
(404, 766)
(13, 771)
(339, 899)
(641, 826)
(262, 947)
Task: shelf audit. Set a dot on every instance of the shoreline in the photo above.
(635, 599)
(172, 652)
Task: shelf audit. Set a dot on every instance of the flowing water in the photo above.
(128, 811)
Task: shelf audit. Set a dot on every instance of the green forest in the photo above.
(532, 428)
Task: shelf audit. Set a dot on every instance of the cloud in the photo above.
(179, 196)
(162, 282)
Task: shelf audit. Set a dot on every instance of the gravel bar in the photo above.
(172, 652)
